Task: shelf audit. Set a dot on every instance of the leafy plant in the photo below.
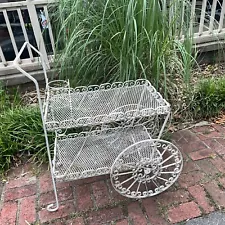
(209, 98)
(109, 40)
(21, 133)
(7, 100)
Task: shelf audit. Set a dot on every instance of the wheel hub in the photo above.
(147, 169)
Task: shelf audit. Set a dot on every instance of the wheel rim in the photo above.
(146, 168)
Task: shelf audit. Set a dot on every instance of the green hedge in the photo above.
(209, 98)
(21, 132)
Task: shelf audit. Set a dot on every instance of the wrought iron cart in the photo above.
(108, 129)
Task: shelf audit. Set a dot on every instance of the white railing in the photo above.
(208, 17)
(21, 21)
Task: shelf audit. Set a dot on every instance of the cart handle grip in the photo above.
(18, 67)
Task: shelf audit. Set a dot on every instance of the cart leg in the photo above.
(54, 206)
(163, 126)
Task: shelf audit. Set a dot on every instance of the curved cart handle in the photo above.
(18, 67)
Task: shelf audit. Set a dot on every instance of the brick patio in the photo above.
(199, 191)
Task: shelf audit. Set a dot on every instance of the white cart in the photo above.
(118, 128)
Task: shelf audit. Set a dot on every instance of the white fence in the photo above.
(208, 20)
(20, 22)
(25, 21)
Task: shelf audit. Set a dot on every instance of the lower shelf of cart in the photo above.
(91, 154)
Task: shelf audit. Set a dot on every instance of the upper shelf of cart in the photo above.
(57, 87)
(67, 107)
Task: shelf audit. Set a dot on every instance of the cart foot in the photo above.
(146, 168)
(53, 207)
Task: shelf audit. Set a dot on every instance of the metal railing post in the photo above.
(37, 30)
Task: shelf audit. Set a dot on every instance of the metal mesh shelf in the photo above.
(93, 153)
(84, 106)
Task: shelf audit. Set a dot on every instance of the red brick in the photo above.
(76, 221)
(105, 215)
(176, 136)
(221, 141)
(192, 146)
(190, 179)
(63, 211)
(219, 164)
(101, 194)
(83, 196)
(201, 154)
(189, 136)
(16, 193)
(153, 213)
(49, 197)
(181, 142)
(189, 166)
(203, 129)
(216, 193)
(175, 197)
(116, 197)
(8, 213)
(20, 182)
(45, 182)
(207, 167)
(215, 146)
(199, 194)
(27, 210)
(222, 181)
(122, 222)
(219, 128)
(135, 214)
(183, 212)
(213, 134)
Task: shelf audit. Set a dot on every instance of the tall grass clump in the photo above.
(110, 40)
(7, 100)
(21, 131)
(21, 136)
(209, 98)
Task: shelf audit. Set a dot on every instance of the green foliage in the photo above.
(209, 98)
(8, 101)
(110, 40)
(21, 132)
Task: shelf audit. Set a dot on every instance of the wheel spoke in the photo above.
(163, 179)
(146, 187)
(154, 182)
(168, 172)
(126, 180)
(166, 160)
(165, 150)
(132, 184)
(121, 174)
(138, 187)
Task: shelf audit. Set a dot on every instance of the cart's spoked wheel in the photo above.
(146, 168)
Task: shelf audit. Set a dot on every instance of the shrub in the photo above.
(110, 40)
(209, 98)
(8, 101)
(21, 133)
